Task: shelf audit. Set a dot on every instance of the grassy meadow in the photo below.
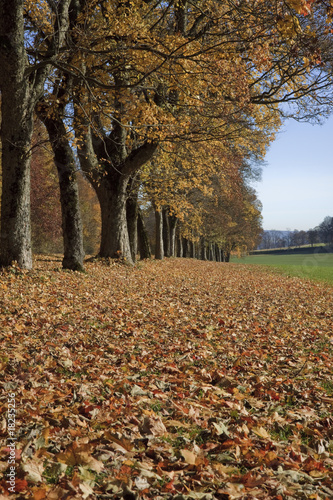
(316, 266)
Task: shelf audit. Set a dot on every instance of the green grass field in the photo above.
(318, 267)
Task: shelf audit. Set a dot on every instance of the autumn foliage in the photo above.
(177, 379)
(45, 196)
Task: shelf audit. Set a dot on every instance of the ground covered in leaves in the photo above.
(177, 380)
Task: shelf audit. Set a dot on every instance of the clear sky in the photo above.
(296, 189)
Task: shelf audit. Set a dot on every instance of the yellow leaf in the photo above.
(176, 423)
(261, 432)
(316, 473)
(18, 356)
(189, 456)
(129, 463)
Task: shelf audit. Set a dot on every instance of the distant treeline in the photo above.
(323, 233)
(296, 250)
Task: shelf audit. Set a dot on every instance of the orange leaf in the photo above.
(21, 484)
(39, 494)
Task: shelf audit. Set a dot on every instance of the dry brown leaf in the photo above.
(189, 456)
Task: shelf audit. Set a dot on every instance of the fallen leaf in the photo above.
(189, 456)
(261, 432)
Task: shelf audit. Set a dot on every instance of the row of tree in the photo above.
(323, 233)
(229, 221)
(171, 102)
(283, 239)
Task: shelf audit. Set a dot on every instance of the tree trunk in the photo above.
(159, 248)
(214, 252)
(227, 257)
(19, 95)
(71, 221)
(181, 17)
(172, 226)
(110, 177)
(180, 246)
(210, 251)
(16, 132)
(166, 233)
(16, 135)
(217, 253)
(143, 240)
(114, 238)
(132, 211)
(69, 193)
(185, 248)
(203, 249)
(192, 249)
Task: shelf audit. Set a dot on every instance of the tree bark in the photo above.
(166, 233)
(210, 251)
(192, 249)
(16, 131)
(71, 221)
(185, 248)
(203, 249)
(19, 95)
(179, 246)
(181, 17)
(217, 253)
(159, 248)
(114, 239)
(16, 135)
(172, 227)
(132, 211)
(143, 240)
(69, 193)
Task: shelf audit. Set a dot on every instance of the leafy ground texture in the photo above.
(177, 380)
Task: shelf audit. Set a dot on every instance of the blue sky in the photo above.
(296, 189)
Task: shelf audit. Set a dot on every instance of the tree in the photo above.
(231, 218)
(204, 190)
(21, 85)
(237, 62)
(51, 110)
(313, 236)
(143, 238)
(326, 230)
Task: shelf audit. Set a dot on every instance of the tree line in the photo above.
(168, 105)
(323, 233)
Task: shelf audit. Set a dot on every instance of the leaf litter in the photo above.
(177, 379)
